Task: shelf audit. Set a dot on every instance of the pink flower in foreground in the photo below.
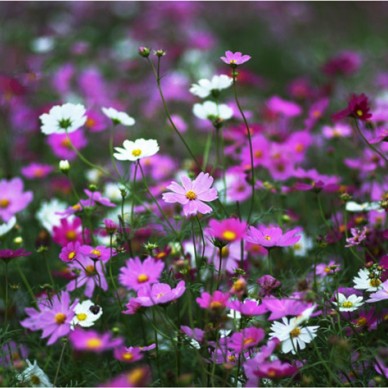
(136, 274)
(12, 198)
(245, 339)
(193, 194)
(272, 236)
(230, 229)
(217, 301)
(138, 377)
(92, 341)
(235, 59)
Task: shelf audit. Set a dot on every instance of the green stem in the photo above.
(60, 362)
(6, 292)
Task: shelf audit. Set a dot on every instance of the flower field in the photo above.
(193, 194)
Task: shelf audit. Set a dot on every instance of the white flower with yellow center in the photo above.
(48, 215)
(350, 303)
(204, 87)
(118, 117)
(33, 376)
(366, 281)
(135, 150)
(291, 335)
(65, 118)
(209, 110)
(86, 313)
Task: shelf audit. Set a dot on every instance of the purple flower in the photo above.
(272, 236)
(358, 107)
(99, 252)
(128, 355)
(9, 254)
(95, 197)
(359, 235)
(138, 377)
(197, 334)
(159, 293)
(249, 307)
(12, 198)
(137, 274)
(235, 59)
(267, 284)
(36, 170)
(217, 301)
(193, 194)
(245, 339)
(53, 317)
(281, 307)
(92, 341)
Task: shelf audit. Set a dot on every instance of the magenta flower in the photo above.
(70, 252)
(137, 274)
(228, 230)
(358, 236)
(281, 307)
(196, 334)
(217, 301)
(159, 293)
(61, 145)
(99, 252)
(248, 307)
(245, 339)
(36, 170)
(137, 377)
(92, 341)
(193, 194)
(235, 59)
(12, 198)
(358, 107)
(54, 317)
(68, 231)
(9, 254)
(95, 197)
(267, 284)
(128, 355)
(272, 236)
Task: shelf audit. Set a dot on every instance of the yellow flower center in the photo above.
(347, 304)
(258, 154)
(90, 271)
(375, 282)
(66, 143)
(127, 356)
(90, 122)
(359, 112)
(77, 207)
(248, 341)
(229, 235)
(361, 321)
(231, 358)
(142, 278)
(271, 373)
(60, 318)
(4, 203)
(295, 332)
(215, 305)
(239, 285)
(136, 152)
(299, 147)
(71, 255)
(224, 252)
(191, 195)
(135, 377)
(316, 114)
(71, 235)
(35, 380)
(93, 343)
(81, 316)
(268, 238)
(95, 252)
(39, 172)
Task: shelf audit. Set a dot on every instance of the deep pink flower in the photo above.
(95, 197)
(345, 63)
(36, 170)
(272, 236)
(217, 301)
(159, 293)
(358, 236)
(92, 341)
(286, 108)
(99, 252)
(197, 334)
(61, 145)
(267, 284)
(9, 254)
(68, 231)
(137, 274)
(12, 198)
(358, 107)
(228, 230)
(53, 317)
(248, 307)
(282, 307)
(235, 59)
(193, 194)
(245, 339)
(137, 377)
(70, 252)
(127, 355)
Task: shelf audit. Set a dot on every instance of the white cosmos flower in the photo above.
(47, 216)
(63, 118)
(303, 245)
(355, 207)
(7, 226)
(210, 110)
(33, 376)
(86, 313)
(204, 86)
(135, 150)
(350, 303)
(365, 282)
(291, 335)
(118, 117)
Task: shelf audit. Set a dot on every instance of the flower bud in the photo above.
(64, 166)
(144, 51)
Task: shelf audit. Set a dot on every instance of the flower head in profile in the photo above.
(118, 117)
(65, 118)
(33, 376)
(92, 341)
(192, 194)
(9, 254)
(205, 87)
(272, 236)
(358, 107)
(135, 150)
(235, 59)
(367, 280)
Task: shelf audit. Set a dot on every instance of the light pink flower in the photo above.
(235, 59)
(193, 194)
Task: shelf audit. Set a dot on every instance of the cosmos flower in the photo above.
(350, 303)
(235, 59)
(92, 341)
(135, 150)
(192, 194)
(86, 313)
(7, 226)
(65, 118)
(9, 254)
(33, 376)
(272, 236)
(36, 170)
(228, 230)
(204, 87)
(366, 281)
(358, 107)
(217, 301)
(118, 117)
(381, 294)
(209, 110)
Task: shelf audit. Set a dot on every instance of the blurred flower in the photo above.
(135, 150)
(359, 235)
(381, 294)
(95, 197)
(65, 118)
(209, 110)
(33, 376)
(36, 170)
(247, 307)
(62, 144)
(205, 87)
(217, 301)
(268, 284)
(9, 254)
(12, 355)
(352, 206)
(336, 131)
(358, 107)
(118, 117)
(92, 341)
(235, 59)
(86, 313)
(272, 236)
(138, 377)
(350, 303)
(12, 198)
(64, 166)
(7, 226)
(345, 63)
(245, 339)
(128, 355)
(193, 194)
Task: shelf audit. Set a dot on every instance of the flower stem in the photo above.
(60, 362)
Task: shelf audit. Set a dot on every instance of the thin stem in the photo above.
(6, 292)
(60, 362)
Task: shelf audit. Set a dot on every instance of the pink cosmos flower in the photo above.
(9, 254)
(196, 334)
(61, 145)
(358, 107)
(12, 198)
(245, 339)
(128, 355)
(248, 307)
(228, 230)
(267, 284)
(358, 236)
(282, 307)
(95, 197)
(159, 293)
(217, 301)
(235, 59)
(70, 252)
(92, 341)
(53, 317)
(68, 231)
(137, 274)
(137, 377)
(99, 252)
(272, 236)
(36, 170)
(193, 194)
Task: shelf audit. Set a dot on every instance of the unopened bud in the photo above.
(64, 166)
(144, 51)
(159, 53)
